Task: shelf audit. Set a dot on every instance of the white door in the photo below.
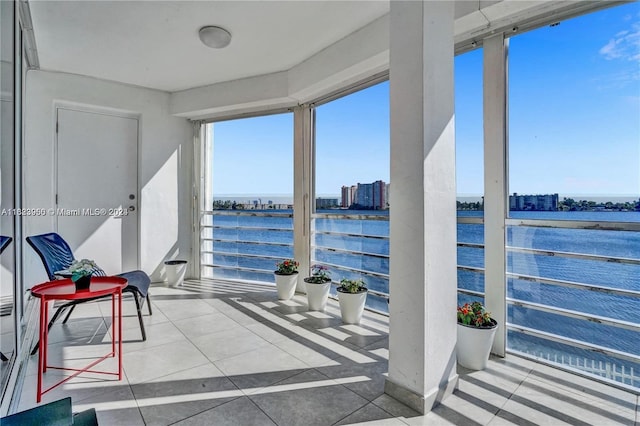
(97, 195)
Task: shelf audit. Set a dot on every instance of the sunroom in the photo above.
(122, 106)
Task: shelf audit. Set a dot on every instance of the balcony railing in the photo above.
(355, 246)
(572, 285)
(244, 245)
(574, 305)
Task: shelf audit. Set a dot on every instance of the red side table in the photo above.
(66, 290)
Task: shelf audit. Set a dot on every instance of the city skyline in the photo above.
(288, 198)
(574, 103)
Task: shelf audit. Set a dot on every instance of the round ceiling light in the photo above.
(215, 37)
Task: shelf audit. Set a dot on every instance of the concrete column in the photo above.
(423, 275)
(302, 189)
(495, 182)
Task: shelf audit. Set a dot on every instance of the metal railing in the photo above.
(320, 249)
(243, 242)
(596, 349)
(339, 230)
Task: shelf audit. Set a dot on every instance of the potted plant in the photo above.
(476, 330)
(352, 295)
(81, 271)
(286, 274)
(318, 288)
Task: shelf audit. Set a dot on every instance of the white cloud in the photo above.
(624, 45)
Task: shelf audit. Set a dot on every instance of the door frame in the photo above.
(113, 112)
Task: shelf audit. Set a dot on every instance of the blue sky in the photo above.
(574, 121)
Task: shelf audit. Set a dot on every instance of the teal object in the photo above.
(57, 413)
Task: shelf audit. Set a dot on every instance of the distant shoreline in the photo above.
(288, 199)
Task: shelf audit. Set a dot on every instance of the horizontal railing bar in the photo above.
(361, 253)
(236, 227)
(471, 292)
(575, 224)
(374, 292)
(245, 213)
(238, 268)
(546, 223)
(346, 234)
(347, 216)
(575, 343)
(571, 284)
(359, 271)
(247, 255)
(575, 314)
(379, 294)
(567, 254)
(252, 228)
(241, 268)
(471, 245)
(470, 220)
(471, 269)
(256, 243)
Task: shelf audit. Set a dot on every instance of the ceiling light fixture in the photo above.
(215, 37)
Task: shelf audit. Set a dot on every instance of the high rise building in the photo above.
(365, 195)
(546, 202)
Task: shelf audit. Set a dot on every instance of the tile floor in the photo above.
(231, 354)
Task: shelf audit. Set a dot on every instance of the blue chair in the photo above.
(4, 242)
(57, 256)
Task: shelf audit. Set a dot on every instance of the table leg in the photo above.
(45, 333)
(113, 324)
(41, 363)
(119, 334)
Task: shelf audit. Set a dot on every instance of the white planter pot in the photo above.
(352, 306)
(286, 285)
(175, 270)
(474, 346)
(317, 295)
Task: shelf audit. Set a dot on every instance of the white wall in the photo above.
(165, 158)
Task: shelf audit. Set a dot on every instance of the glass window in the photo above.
(7, 145)
(249, 225)
(469, 172)
(574, 133)
(352, 169)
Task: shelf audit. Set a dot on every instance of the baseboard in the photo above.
(421, 403)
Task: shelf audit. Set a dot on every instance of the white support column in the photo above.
(423, 274)
(495, 183)
(302, 189)
(202, 192)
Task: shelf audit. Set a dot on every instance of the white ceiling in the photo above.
(155, 44)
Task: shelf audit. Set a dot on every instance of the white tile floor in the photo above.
(232, 354)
